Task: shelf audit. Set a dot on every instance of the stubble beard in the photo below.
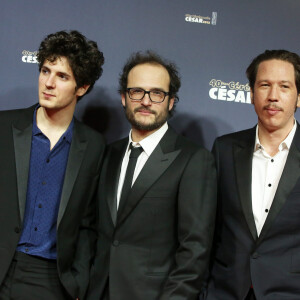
(159, 120)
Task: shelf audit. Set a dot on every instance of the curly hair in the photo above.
(283, 55)
(83, 55)
(150, 57)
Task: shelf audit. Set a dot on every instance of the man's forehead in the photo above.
(58, 61)
(275, 64)
(276, 68)
(149, 72)
(55, 59)
(149, 65)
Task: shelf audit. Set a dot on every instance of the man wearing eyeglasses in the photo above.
(157, 197)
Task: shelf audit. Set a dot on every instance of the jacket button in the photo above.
(17, 230)
(255, 255)
(116, 243)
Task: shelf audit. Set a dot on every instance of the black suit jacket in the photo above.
(158, 246)
(75, 223)
(271, 263)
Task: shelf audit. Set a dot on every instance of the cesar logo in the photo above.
(29, 57)
(231, 91)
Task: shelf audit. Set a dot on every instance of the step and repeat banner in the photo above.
(211, 41)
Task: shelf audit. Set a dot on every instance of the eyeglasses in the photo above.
(137, 94)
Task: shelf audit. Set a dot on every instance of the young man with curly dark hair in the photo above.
(50, 164)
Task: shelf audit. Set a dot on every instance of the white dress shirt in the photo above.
(266, 173)
(149, 144)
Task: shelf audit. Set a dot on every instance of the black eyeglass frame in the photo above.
(149, 93)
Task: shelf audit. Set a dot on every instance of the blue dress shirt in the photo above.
(45, 182)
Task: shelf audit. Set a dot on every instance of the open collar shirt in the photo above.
(266, 174)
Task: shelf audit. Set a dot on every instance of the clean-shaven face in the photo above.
(57, 85)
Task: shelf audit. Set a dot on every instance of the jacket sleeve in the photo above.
(196, 219)
(85, 246)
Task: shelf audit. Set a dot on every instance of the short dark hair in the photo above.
(83, 55)
(284, 55)
(150, 57)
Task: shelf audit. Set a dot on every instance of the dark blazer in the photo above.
(75, 223)
(271, 263)
(158, 246)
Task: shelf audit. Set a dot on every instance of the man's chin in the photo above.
(143, 126)
(48, 105)
(44, 102)
(45, 105)
(144, 123)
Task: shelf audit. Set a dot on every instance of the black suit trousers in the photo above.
(251, 295)
(31, 278)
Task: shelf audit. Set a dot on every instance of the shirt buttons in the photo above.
(35, 228)
(116, 243)
(266, 210)
(272, 160)
(40, 206)
(269, 185)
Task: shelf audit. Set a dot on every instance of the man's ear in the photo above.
(298, 100)
(252, 96)
(123, 98)
(82, 90)
(171, 103)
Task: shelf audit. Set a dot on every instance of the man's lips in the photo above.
(48, 95)
(144, 111)
(273, 110)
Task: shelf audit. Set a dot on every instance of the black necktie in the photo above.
(134, 154)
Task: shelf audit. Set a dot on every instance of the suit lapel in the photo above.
(22, 134)
(243, 153)
(22, 144)
(76, 155)
(288, 179)
(160, 159)
(113, 175)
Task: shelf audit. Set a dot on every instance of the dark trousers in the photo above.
(32, 278)
(251, 295)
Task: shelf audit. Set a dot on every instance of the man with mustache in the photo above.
(156, 218)
(50, 165)
(257, 239)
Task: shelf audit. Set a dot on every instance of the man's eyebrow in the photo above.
(64, 73)
(268, 80)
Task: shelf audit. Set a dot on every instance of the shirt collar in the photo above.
(285, 144)
(151, 141)
(67, 134)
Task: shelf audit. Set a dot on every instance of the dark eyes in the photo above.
(44, 71)
(157, 93)
(62, 76)
(282, 86)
